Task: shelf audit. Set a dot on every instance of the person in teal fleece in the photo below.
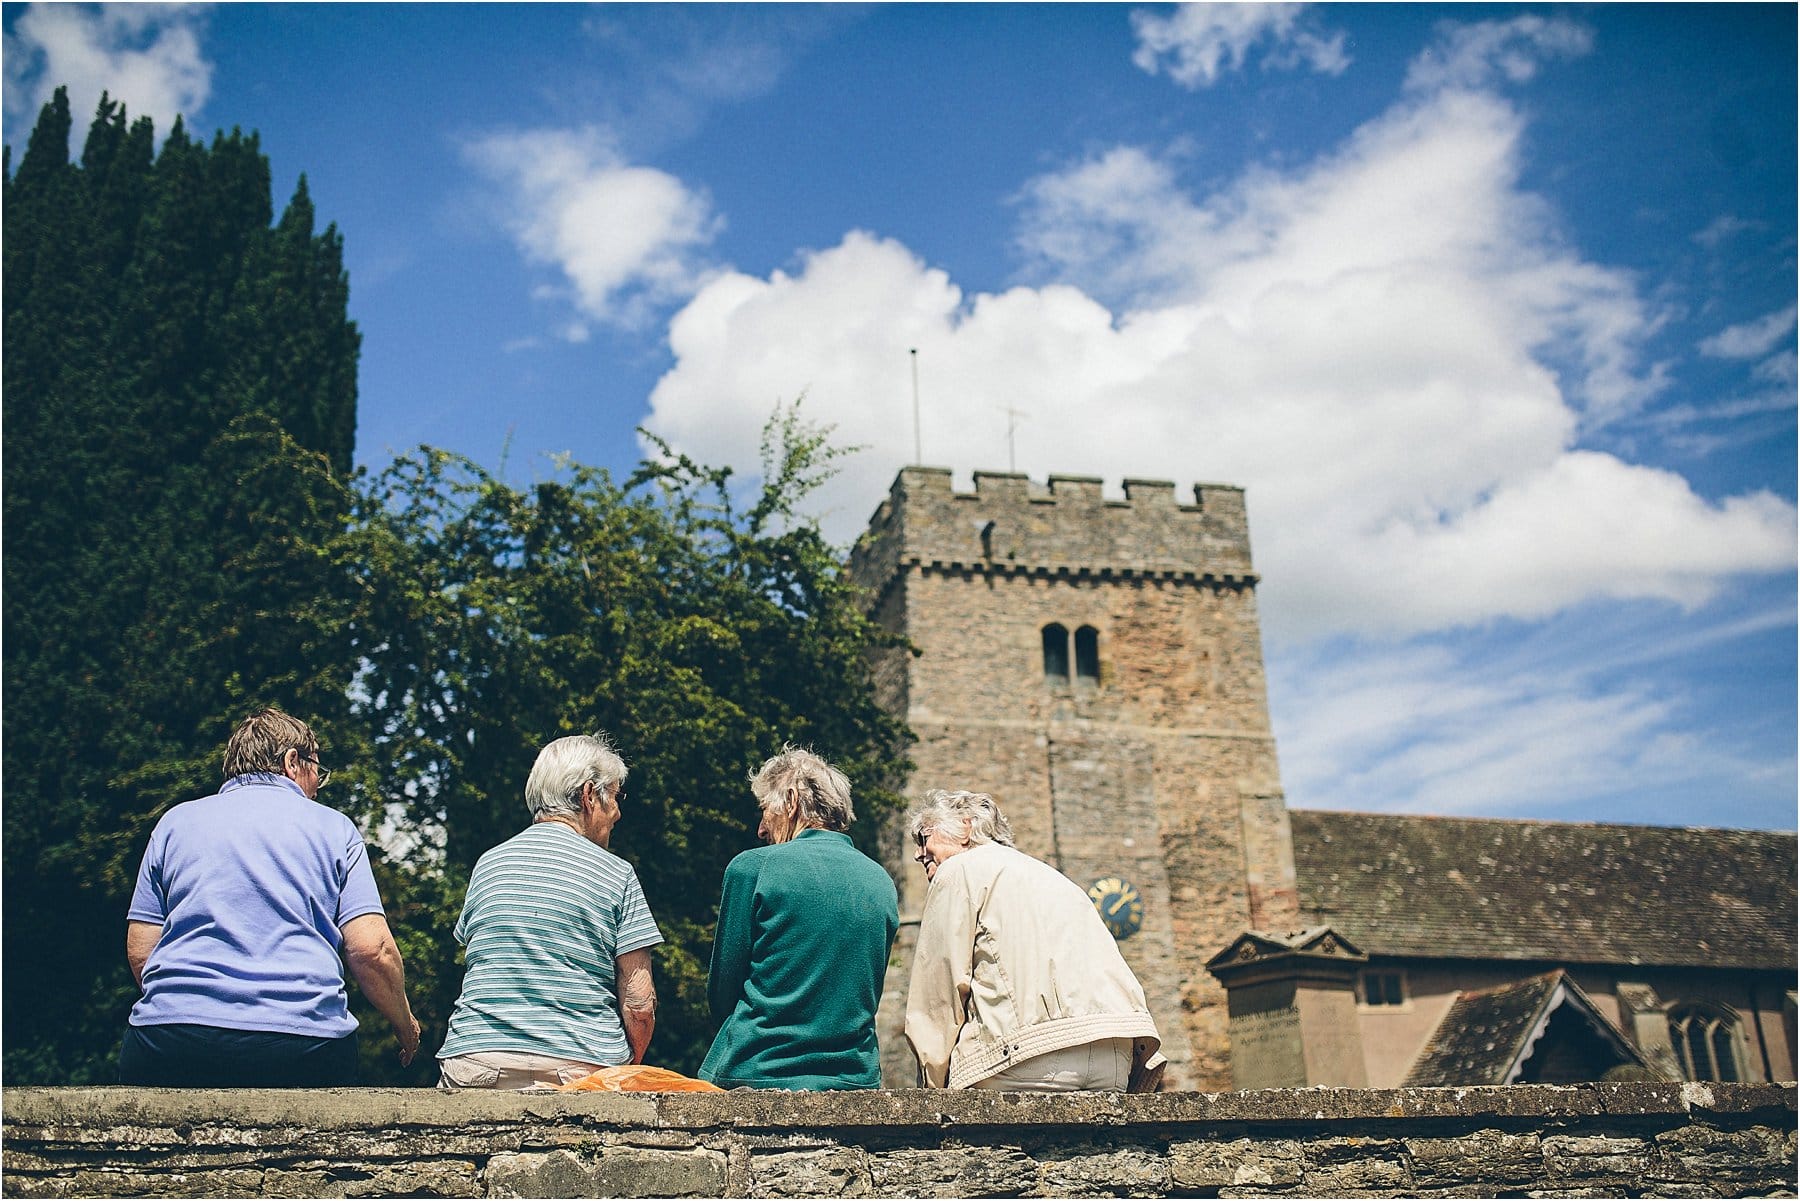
(801, 949)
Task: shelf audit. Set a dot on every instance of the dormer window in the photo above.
(1056, 654)
(1381, 990)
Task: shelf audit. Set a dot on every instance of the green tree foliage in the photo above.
(179, 410)
(701, 637)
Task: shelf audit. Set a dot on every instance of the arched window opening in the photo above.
(1087, 655)
(1056, 654)
(1705, 1040)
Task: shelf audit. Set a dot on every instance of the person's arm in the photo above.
(732, 938)
(374, 961)
(937, 998)
(637, 1000)
(140, 939)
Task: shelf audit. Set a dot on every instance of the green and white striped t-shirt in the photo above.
(547, 914)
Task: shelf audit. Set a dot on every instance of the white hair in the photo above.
(948, 810)
(563, 766)
(819, 791)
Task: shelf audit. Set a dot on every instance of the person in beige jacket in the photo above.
(1016, 984)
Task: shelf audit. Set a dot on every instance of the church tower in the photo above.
(1096, 666)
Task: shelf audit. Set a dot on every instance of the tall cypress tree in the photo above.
(180, 418)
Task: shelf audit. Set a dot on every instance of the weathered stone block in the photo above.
(952, 1172)
(243, 1182)
(1572, 1156)
(833, 1172)
(1488, 1155)
(1095, 1172)
(1339, 1166)
(1702, 1153)
(646, 1172)
(1256, 1162)
(539, 1174)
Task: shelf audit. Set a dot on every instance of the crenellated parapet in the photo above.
(1011, 524)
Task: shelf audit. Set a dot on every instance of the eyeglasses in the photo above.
(324, 772)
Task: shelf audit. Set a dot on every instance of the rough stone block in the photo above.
(833, 1172)
(242, 1182)
(1094, 1172)
(1338, 1166)
(1252, 1162)
(539, 1174)
(644, 1172)
(1488, 1155)
(952, 1172)
(1579, 1156)
(1701, 1153)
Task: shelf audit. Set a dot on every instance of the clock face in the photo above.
(1120, 905)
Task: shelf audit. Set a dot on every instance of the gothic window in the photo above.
(1056, 654)
(1705, 1039)
(1381, 989)
(1087, 655)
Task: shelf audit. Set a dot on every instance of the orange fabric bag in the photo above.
(638, 1078)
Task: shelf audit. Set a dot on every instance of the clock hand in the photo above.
(1114, 911)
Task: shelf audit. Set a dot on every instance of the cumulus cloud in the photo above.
(1488, 52)
(1195, 43)
(1752, 339)
(1392, 348)
(1433, 727)
(624, 238)
(147, 55)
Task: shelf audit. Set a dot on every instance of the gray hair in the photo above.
(563, 766)
(820, 791)
(944, 809)
(263, 740)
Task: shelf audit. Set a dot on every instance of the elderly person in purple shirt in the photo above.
(243, 903)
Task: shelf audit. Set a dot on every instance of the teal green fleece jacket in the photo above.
(797, 966)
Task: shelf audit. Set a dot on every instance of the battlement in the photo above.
(1011, 521)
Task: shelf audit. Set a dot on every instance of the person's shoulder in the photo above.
(750, 862)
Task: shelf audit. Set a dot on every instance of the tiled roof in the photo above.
(1561, 892)
(1488, 1032)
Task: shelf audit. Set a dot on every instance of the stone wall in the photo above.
(1611, 1140)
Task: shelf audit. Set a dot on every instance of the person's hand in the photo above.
(409, 1041)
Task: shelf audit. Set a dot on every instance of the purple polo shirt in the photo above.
(251, 887)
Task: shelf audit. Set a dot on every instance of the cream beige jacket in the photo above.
(1013, 962)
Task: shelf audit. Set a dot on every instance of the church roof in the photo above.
(1564, 892)
(1489, 1034)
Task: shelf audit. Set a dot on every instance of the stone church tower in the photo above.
(1096, 666)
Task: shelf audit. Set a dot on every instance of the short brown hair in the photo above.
(263, 740)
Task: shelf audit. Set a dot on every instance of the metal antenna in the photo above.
(1012, 424)
(918, 445)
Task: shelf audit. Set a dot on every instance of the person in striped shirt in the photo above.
(557, 979)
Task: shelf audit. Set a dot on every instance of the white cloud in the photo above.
(146, 55)
(1488, 52)
(624, 238)
(1723, 229)
(1196, 42)
(1752, 339)
(1391, 348)
(1426, 728)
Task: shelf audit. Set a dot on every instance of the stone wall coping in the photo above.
(69, 1110)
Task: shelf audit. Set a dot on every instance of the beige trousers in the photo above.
(513, 1070)
(1105, 1064)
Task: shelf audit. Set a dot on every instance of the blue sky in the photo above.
(1490, 308)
